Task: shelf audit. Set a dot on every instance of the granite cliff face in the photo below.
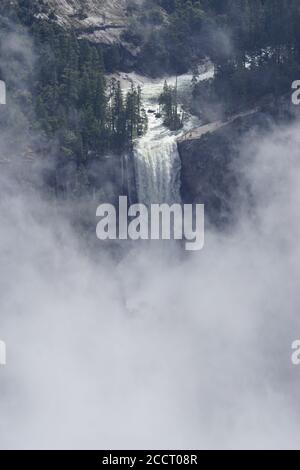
(210, 159)
(98, 20)
(212, 155)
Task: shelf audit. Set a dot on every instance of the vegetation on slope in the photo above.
(57, 90)
(254, 45)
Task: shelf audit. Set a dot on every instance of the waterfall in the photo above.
(156, 158)
(157, 161)
(157, 168)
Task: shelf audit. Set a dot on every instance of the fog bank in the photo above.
(159, 350)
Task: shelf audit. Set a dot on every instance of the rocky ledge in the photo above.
(210, 157)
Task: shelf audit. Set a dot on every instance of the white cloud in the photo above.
(160, 350)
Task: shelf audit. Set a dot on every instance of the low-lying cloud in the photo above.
(160, 349)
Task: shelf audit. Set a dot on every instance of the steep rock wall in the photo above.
(210, 166)
(98, 20)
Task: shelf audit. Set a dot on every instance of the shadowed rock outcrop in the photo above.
(210, 158)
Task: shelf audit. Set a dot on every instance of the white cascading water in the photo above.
(157, 169)
(157, 161)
